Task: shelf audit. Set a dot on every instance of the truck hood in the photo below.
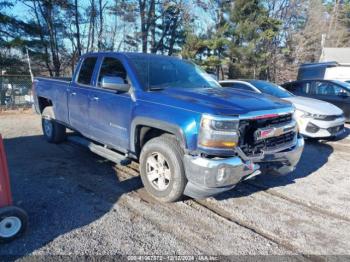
(223, 101)
(314, 106)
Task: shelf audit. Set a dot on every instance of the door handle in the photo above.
(95, 98)
(73, 93)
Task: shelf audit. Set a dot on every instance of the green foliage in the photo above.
(240, 38)
(252, 34)
(242, 42)
(192, 47)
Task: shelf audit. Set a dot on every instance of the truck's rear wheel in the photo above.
(162, 170)
(54, 132)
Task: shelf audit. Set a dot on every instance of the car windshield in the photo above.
(271, 89)
(160, 72)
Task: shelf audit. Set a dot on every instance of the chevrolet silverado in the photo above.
(190, 136)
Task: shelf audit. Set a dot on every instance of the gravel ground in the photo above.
(80, 204)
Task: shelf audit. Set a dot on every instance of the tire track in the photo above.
(267, 235)
(133, 169)
(178, 211)
(220, 213)
(312, 207)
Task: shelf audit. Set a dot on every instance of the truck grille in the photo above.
(284, 119)
(248, 143)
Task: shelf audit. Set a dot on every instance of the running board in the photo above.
(100, 150)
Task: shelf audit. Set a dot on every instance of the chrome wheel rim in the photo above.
(10, 226)
(48, 127)
(158, 171)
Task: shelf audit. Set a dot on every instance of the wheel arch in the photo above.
(43, 102)
(143, 129)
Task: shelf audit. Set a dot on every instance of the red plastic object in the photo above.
(5, 189)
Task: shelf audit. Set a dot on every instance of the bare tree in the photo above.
(77, 26)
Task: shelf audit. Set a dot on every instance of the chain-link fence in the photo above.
(15, 91)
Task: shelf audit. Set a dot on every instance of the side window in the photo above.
(301, 88)
(307, 88)
(112, 67)
(86, 70)
(341, 91)
(328, 89)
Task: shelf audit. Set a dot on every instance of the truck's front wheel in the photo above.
(54, 132)
(162, 170)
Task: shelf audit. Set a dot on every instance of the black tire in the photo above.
(13, 223)
(168, 147)
(54, 132)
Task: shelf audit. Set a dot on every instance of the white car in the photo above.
(315, 118)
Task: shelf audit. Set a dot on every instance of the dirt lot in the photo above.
(79, 203)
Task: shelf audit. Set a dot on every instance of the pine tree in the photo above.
(252, 32)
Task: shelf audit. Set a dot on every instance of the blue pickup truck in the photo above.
(191, 136)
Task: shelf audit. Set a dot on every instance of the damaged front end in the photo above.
(273, 142)
(262, 142)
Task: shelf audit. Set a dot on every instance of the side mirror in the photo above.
(115, 83)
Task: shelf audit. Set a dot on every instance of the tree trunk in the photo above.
(100, 32)
(47, 15)
(77, 27)
(144, 33)
(91, 34)
(152, 25)
(43, 41)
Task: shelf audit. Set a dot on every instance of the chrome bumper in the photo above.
(208, 177)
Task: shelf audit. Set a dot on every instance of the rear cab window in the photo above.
(86, 71)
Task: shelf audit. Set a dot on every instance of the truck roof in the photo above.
(129, 54)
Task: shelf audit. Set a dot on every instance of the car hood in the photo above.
(217, 100)
(314, 106)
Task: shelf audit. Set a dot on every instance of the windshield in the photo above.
(159, 72)
(271, 89)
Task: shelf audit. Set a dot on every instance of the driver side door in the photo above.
(110, 111)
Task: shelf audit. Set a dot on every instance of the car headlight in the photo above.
(310, 115)
(218, 132)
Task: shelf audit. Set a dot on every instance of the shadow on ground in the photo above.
(57, 185)
(344, 135)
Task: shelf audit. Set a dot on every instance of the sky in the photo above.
(21, 11)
